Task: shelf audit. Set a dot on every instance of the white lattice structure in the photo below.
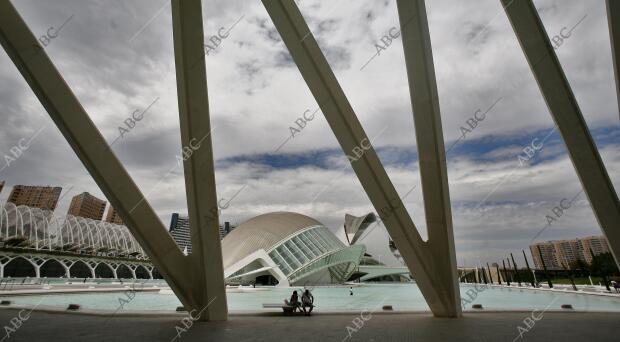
(34, 228)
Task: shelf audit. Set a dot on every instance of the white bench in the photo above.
(287, 309)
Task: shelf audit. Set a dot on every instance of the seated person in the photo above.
(307, 301)
(294, 302)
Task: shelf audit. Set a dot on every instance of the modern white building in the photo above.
(288, 249)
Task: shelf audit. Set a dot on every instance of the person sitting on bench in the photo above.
(307, 301)
(294, 302)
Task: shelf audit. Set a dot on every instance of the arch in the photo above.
(80, 270)
(103, 270)
(52, 268)
(142, 272)
(93, 235)
(123, 272)
(4, 222)
(87, 236)
(20, 267)
(108, 243)
(119, 246)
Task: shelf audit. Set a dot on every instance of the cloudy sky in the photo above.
(118, 57)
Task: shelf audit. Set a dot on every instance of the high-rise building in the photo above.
(180, 231)
(558, 254)
(112, 216)
(1, 186)
(88, 206)
(226, 229)
(42, 197)
(593, 244)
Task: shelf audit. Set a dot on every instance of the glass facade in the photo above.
(313, 249)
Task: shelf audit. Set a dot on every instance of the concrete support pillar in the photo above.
(208, 290)
(67, 265)
(92, 271)
(431, 150)
(89, 145)
(3, 262)
(426, 261)
(132, 268)
(567, 115)
(613, 18)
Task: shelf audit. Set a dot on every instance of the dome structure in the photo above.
(287, 248)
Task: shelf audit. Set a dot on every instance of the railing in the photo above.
(6, 282)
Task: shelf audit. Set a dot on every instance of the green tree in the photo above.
(604, 265)
(579, 265)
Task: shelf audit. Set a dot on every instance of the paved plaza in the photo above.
(488, 326)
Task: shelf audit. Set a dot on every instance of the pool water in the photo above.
(402, 297)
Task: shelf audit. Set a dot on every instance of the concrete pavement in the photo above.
(488, 326)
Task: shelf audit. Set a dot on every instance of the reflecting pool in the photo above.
(402, 297)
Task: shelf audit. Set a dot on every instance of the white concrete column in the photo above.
(132, 268)
(92, 271)
(67, 265)
(566, 113)
(431, 150)
(613, 18)
(87, 142)
(207, 291)
(422, 259)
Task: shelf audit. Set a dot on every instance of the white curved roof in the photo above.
(263, 231)
(355, 226)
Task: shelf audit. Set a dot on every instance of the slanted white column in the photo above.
(424, 260)
(207, 288)
(431, 150)
(613, 18)
(567, 116)
(87, 142)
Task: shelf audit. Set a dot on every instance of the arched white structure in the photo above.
(33, 228)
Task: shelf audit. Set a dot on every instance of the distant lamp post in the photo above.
(514, 264)
(490, 275)
(527, 264)
(542, 261)
(506, 273)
